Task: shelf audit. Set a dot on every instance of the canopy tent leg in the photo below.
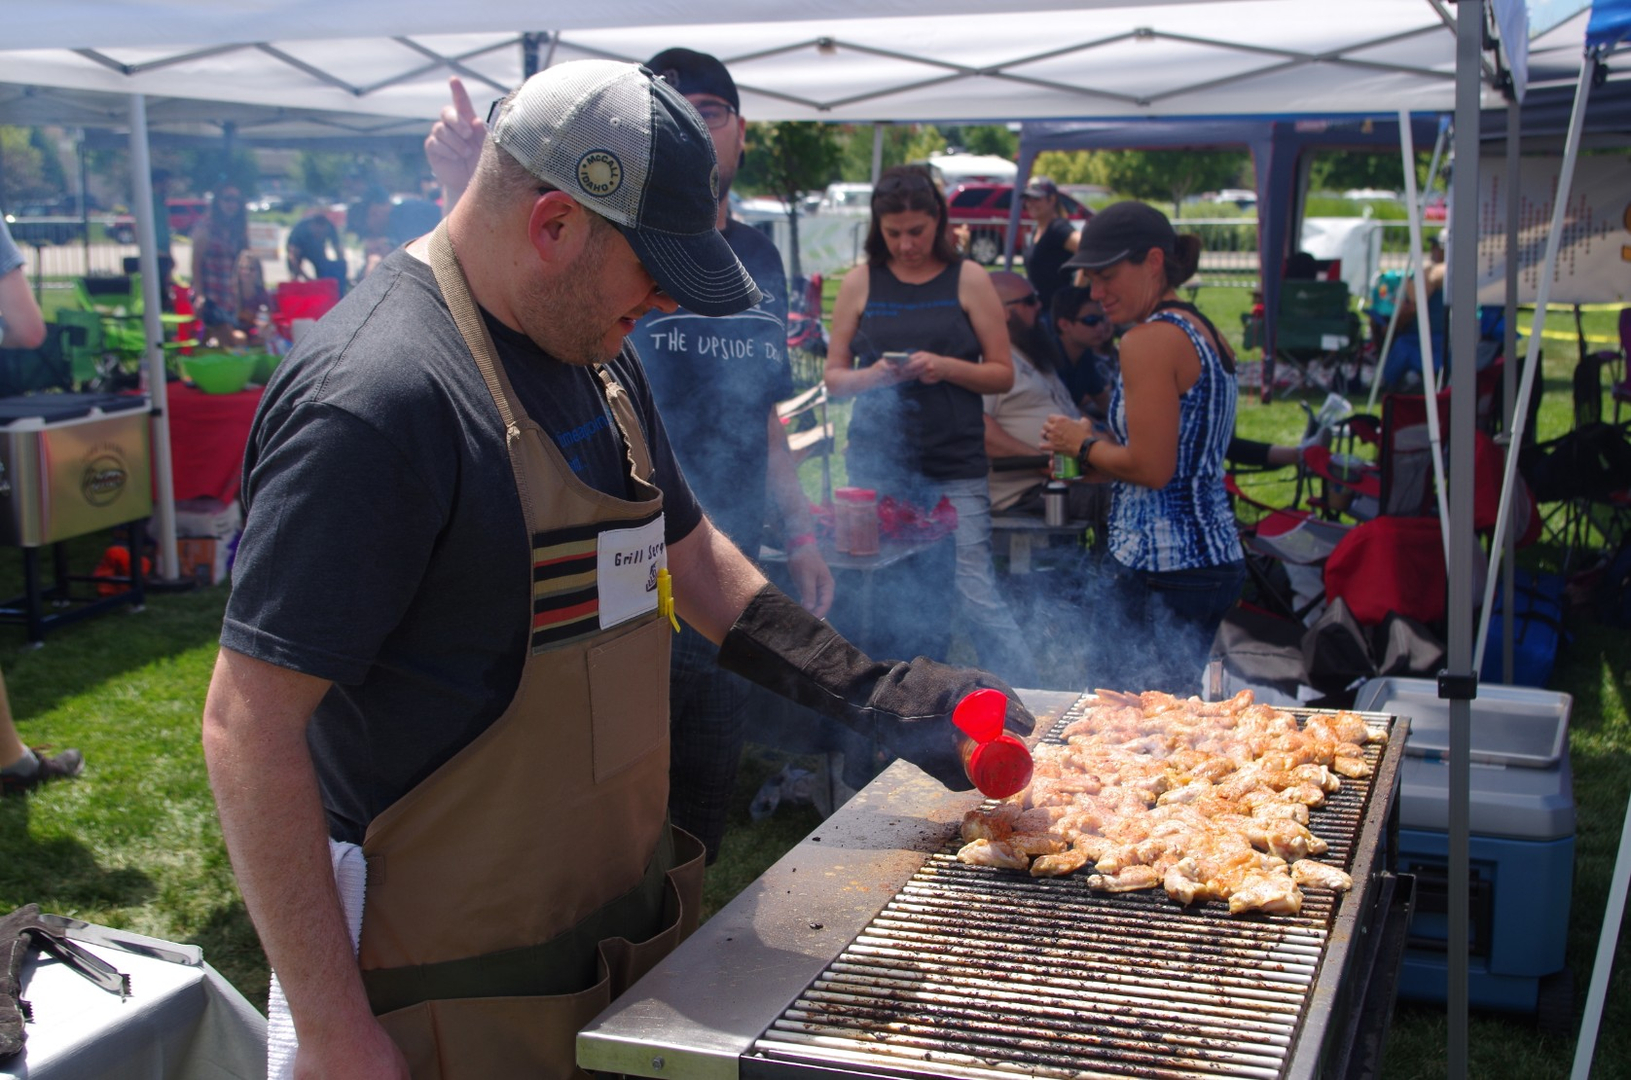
(1435, 437)
(1416, 207)
(1509, 377)
(1458, 683)
(153, 372)
(1543, 295)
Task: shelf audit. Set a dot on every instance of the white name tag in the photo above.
(627, 561)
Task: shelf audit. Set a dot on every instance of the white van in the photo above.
(953, 169)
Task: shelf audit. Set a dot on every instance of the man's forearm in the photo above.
(713, 581)
(272, 821)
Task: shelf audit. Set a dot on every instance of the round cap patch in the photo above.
(600, 173)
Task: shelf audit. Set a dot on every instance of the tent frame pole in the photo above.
(1543, 296)
(153, 368)
(1418, 282)
(1458, 683)
(1509, 375)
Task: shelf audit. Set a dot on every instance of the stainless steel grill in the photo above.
(974, 972)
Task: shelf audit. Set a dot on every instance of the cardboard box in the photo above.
(203, 558)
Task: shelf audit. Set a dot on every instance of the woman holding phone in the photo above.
(918, 336)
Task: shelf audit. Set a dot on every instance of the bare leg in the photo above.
(11, 746)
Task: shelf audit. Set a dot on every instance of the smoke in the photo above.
(1089, 626)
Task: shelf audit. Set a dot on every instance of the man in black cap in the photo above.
(437, 730)
(716, 382)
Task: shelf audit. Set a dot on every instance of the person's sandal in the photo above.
(63, 766)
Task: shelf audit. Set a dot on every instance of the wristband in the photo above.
(1086, 450)
(800, 540)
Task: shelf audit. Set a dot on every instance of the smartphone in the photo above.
(897, 358)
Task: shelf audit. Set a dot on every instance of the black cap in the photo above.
(628, 146)
(1040, 187)
(1119, 231)
(691, 72)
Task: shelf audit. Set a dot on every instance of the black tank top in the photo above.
(936, 431)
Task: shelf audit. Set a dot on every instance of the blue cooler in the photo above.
(1521, 841)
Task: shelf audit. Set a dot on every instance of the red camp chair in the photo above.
(303, 300)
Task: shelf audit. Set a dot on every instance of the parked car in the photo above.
(984, 209)
(846, 198)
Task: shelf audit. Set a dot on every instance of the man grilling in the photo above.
(437, 730)
(717, 382)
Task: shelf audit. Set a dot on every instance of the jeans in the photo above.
(1166, 621)
(707, 729)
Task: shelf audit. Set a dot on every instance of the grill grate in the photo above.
(976, 972)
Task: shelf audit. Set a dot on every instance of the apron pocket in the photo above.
(484, 1038)
(628, 961)
(628, 697)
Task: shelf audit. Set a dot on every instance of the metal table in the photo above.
(182, 1021)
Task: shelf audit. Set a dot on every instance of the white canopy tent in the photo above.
(847, 60)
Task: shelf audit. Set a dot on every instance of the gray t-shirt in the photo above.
(384, 546)
(716, 380)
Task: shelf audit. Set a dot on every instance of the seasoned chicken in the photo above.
(993, 853)
(1320, 876)
(1208, 800)
(1270, 893)
(1132, 879)
(1065, 862)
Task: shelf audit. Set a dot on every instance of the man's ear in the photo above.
(556, 226)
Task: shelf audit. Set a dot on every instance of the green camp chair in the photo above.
(81, 343)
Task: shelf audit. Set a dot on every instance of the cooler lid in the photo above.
(1511, 725)
(55, 408)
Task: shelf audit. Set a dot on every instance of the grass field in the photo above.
(134, 843)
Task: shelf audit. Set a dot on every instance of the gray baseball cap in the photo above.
(629, 146)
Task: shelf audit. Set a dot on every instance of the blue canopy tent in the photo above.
(1282, 150)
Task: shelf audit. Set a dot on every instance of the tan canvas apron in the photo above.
(502, 890)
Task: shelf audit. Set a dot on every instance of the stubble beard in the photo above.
(560, 316)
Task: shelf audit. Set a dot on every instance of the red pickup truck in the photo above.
(984, 209)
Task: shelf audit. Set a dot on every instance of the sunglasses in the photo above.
(1027, 299)
(1089, 320)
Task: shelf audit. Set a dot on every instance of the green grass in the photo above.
(134, 842)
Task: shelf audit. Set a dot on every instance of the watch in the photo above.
(1087, 448)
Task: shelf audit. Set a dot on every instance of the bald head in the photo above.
(1019, 303)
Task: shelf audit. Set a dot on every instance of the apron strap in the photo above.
(444, 262)
(623, 412)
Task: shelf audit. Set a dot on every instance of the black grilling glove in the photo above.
(906, 706)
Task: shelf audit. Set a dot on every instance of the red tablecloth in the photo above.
(208, 433)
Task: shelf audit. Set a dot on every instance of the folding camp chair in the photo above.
(1317, 334)
(1585, 474)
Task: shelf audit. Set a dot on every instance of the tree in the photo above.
(790, 157)
(1342, 170)
(1172, 175)
(22, 173)
(323, 172)
(993, 139)
(1068, 167)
